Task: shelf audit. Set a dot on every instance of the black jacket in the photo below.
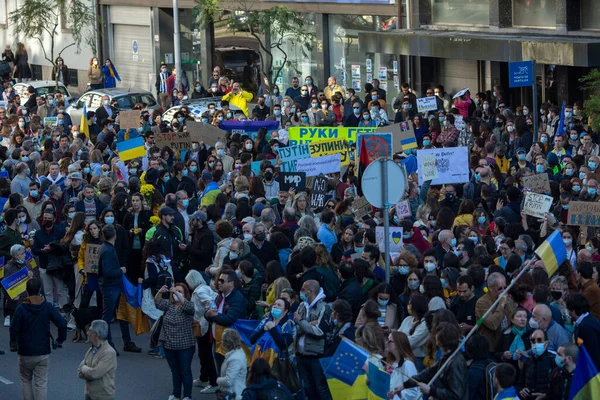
(560, 384)
(589, 332)
(143, 224)
(266, 253)
(351, 291)
(169, 239)
(267, 390)
(9, 238)
(234, 309)
(31, 326)
(535, 374)
(200, 252)
(42, 238)
(109, 268)
(451, 385)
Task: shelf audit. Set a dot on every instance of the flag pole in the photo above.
(524, 269)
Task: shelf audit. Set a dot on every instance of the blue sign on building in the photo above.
(520, 74)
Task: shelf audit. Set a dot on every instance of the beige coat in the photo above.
(391, 318)
(98, 371)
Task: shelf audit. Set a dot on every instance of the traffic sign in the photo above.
(374, 180)
(520, 74)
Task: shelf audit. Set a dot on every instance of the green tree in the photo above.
(41, 20)
(591, 107)
(271, 28)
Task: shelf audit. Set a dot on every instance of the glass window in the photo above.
(460, 12)
(537, 13)
(590, 14)
(74, 77)
(96, 102)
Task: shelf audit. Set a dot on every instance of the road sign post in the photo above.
(523, 74)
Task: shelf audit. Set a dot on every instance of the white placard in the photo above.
(403, 209)
(459, 123)
(395, 238)
(382, 73)
(537, 204)
(429, 170)
(452, 164)
(356, 71)
(322, 165)
(426, 104)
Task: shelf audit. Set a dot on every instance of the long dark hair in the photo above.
(260, 371)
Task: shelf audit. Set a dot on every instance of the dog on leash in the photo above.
(83, 317)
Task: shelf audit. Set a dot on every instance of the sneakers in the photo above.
(186, 398)
(132, 348)
(172, 397)
(209, 389)
(7, 321)
(200, 383)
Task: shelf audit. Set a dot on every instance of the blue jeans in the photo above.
(110, 302)
(313, 378)
(180, 362)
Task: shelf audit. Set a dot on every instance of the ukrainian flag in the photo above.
(408, 143)
(1, 267)
(379, 383)
(132, 148)
(339, 390)
(265, 347)
(552, 252)
(130, 307)
(347, 362)
(83, 126)
(586, 381)
(16, 283)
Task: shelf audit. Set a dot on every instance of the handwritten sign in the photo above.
(459, 123)
(537, 183)
(361, 207)
(394, 238)
(322, 165)
(426, 104)
(92, 253)
(296, 180)
(319, 191)
(429, 167)
(207, 133)
(403, 209)
(177, 141)
(536, 204)
(129, 119)
(452, 164)
(584, 213)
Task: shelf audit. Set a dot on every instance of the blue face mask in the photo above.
(413, 285)
(382, 303)
(473, 239)
(198, 88)
(592, 191)
(374, 97)
(133, 171)
(184, 172)
(538, 348)
(185, 203)
(358, 250)
(277, 112)
(426, 143)
(544, 139)
(193, 168)
(522, 157)
(109, 220)
(205, 120)
(34, 193)
(453, 242)
(303, 297)
(539, 169)
(396, 220)
(569, 171)
(403, 270)
(407, 236)
(444, 283)
(25, 158)
(559, 363)
(481, 220)
(166, 178)
(592, 165)
(276, 312)
(576, 188)
(304, 119)
(366, 117)
(356, 111)
(478, 177)
(71, 215)
(565, 206)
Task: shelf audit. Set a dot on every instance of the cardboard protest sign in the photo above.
(207, 133)
(177, 141)
(361, 207)
(129, 119)
(584, 213)
(429, 170)
(289, 155)
(395, 238)
(403, 135)
(319, 191)
(452, 164)
(287, 180)
(537, 183)
(327, 147)
(403, 209)
(536, 204)
(378, 145)
(322, 165)
(426, 104)
(92, 254)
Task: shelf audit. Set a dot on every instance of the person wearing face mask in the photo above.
(449, 132)
(90, 205)
(33, 203)
(95, 75)
(415, 328)
(562, 376)
(542, 318)
(161, 87)
(411, 235)
(200, 250)
(325, 116)
(227, 160)
(536, 371)
(446, 243)
(11, 234)
(238, 98)
(251, 288)
(385, 297)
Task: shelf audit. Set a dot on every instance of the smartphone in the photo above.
(168, 284)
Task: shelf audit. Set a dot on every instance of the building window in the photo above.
(539, 14)
(73, 77)
(36, 72)
(460, 12)
(590, 14)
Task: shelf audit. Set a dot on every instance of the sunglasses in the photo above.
(222, 281)
(538, 340)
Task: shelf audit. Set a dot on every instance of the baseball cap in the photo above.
(75, 175)
(201, 215)
(166, 211)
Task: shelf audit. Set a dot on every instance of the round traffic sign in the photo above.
(372, 182)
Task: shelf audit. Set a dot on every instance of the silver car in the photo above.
(126, 99)
(197, 107)
(42, 88)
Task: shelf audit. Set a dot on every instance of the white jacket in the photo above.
(202, 296)
(419, 337)
(233, 373)
(400, 375)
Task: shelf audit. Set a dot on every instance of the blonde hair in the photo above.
(241, 183)
(231, 340)
(279, 285)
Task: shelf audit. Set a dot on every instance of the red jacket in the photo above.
(418, 241)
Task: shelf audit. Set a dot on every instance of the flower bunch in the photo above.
(147, 191)
(154, 220)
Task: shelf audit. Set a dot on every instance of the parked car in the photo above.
(197, 108)
(126, 99)
(42, 88)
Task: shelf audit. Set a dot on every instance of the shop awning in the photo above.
(501, 47)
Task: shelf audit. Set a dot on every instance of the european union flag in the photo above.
(347, 362)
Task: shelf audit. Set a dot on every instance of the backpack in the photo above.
(163, 274)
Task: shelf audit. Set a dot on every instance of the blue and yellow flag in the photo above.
(586, 381)
(264, 347)
(130, 307)
(561, 122)
(379, 383)
(16, 283)
(339, 390)
(1, 267)
(347, 362)
(132, 148)
(552, 252)
(83, 126)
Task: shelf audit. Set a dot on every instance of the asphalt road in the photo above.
(139, 376)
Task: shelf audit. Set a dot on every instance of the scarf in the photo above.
(517, 343)
(111, 71)
(508, 393)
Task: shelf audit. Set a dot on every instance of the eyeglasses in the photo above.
(222, 281)
(501, 288)
(538, 340)
(329, 206)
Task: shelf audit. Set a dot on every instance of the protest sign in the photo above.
(458, 122)
(287, 180)
(394, 238)
(289, 155)
(255, 166)
(129, 119)
(584, 213)
(537, 183)
(301, 134)
(207, 133)
(403, 209)
(30, 260)
(16, 283)
(177, 141)
(426, 104)
(361, 207)
(327, 147)
(452, 164)
(429, 170)
(248, 127)
(403, 135)
(536, 204)
(319, 191)
(356, 71)
(50, 121)
(322, 165)
(378, 145)
(92, 253)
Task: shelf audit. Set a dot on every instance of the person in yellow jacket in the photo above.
(238, 98)
(89, 279)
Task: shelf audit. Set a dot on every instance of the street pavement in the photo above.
(139, 376)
